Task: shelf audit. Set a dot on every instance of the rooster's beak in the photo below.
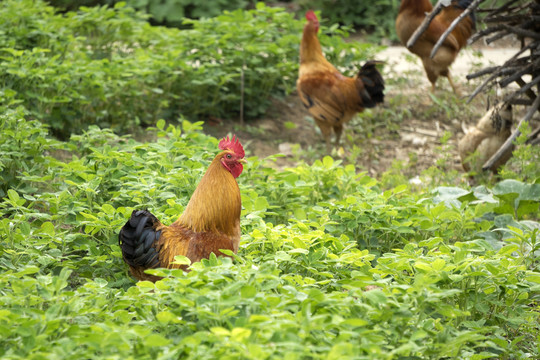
(243, 161)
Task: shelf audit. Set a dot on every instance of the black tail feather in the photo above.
(373, 84)
(137, 238)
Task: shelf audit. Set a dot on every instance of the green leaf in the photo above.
(48, 228)
(160, 124)
(248, 291)
(508, 250)
(355, 322)
(181, 260)
(165, 317)
(156, 340)
(13, 196)
(328, 162)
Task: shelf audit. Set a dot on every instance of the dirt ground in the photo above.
(408, 127)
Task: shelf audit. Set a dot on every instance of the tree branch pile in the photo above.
(519, 18)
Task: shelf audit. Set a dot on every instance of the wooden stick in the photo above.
(482, 72)
(528, 86)
(453, 25)
(521, 101)
(484, 32)
(507, 146)
(424, 25)
(529, 92)
(517, 75)
(522, 32)
(500, 71)
(496, 37)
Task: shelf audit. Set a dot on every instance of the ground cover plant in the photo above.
(110, 67)
(330, 265)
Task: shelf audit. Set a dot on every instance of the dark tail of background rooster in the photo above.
(373, 93)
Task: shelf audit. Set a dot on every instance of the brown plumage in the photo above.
(410, 16)
(210, 221)
(486, 138)
(330, 97)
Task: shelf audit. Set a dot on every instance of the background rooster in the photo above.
(211, 220)
(331, 98)
(486, 138)
(410, 16)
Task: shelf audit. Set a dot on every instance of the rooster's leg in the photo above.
(456, 91)
(326, 132)
(338, 129)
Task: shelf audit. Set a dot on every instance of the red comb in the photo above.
(233, 144)
(310, 15)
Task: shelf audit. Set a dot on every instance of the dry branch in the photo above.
(507, 146)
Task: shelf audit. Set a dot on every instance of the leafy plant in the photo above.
(377, 18)
(329, 266)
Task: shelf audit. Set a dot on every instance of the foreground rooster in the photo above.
(210, 222)
(331, 98)
(410, 16)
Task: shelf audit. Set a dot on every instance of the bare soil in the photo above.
(408, 127)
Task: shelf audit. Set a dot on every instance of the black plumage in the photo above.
(138, 238)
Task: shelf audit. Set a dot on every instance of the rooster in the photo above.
(410, 16)
(486, 138)
(210, 221)
(331, 98)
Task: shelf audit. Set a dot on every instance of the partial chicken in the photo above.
(210, 221)
(331, 98)
(486, 138)
(410, 16)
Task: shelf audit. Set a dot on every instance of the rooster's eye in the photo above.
(229, 156)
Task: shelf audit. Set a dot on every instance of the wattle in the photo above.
(235, 169)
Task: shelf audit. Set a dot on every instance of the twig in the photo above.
(496, 37)
(528, 86)
(485, 32)
(508, 143)
(500, 9)
(529, 92)
(500, 71)
(522, 32)
(517, 75)
(452, 26)
(424, 25)
(482, 72)
(506, 68)
(524, 102)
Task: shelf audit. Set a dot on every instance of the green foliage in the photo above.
(109, 67)
(173, 12)
(23, 147)
(375, 17)
(330, 266)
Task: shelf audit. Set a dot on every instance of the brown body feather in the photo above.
(210, 222)
(410, 16)
(330, 97)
